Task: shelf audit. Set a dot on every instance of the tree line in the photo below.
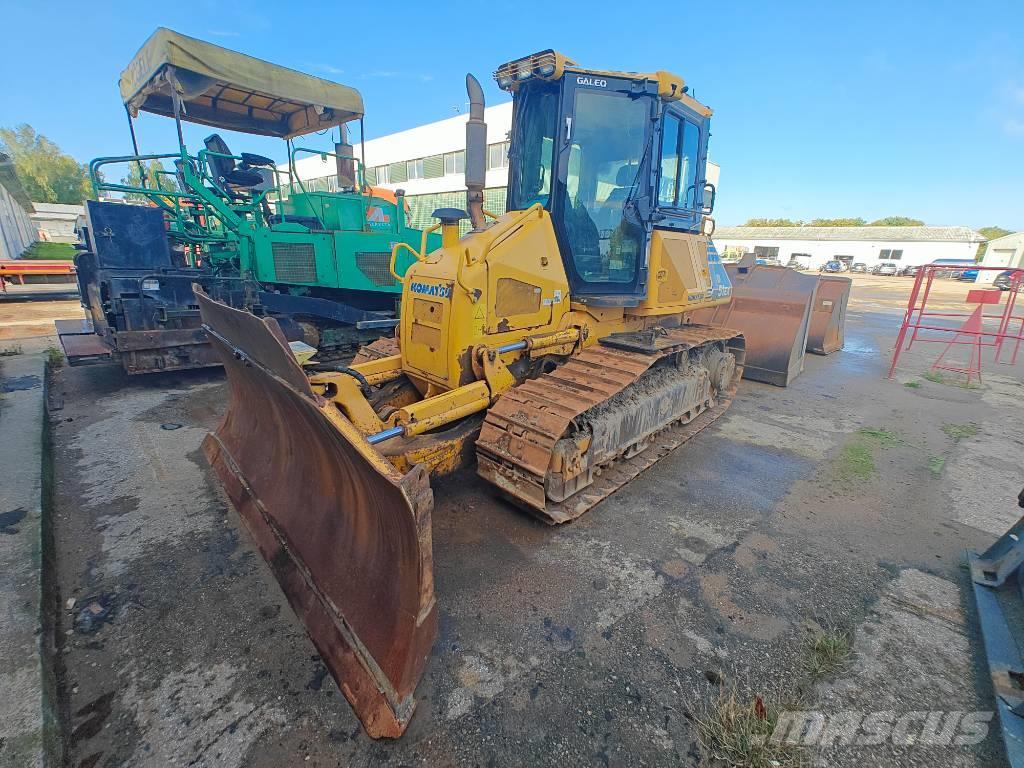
(49, 175)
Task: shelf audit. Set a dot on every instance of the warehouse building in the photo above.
(428, 162)
(811, 247)
(1007, 251)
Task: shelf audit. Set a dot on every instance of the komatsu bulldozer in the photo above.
(550, 344)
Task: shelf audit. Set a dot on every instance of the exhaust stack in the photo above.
(345, 166)
(476, 153)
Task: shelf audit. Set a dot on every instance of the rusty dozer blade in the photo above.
(347, 536)
(828, 315)
(771, 307)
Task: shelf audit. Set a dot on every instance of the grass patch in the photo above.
(856, 461)
(936, 464)
(54, 356)
(828, 652)
(959, 431)
(912, 384)
(735, 730)
(11, 351)
(58, 251)
(936, 377)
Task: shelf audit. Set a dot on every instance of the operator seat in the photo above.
(610, 213)
(227, 173)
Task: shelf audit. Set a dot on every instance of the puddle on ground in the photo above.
(20, 383)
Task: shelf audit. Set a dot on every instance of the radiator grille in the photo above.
(294, 262)
(376, 265)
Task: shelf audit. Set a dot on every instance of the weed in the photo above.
(935, 377)
(10, 351)
(736, 730)
(880, 436)
(828, 652)
(912, 384)
(54, 357)
(935, 464)
(958, 432)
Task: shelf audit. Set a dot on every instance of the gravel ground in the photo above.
(837, 503)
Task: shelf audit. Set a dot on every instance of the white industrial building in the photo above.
(56, 222)
(428, 162)
(1006, 251)
(813, 246)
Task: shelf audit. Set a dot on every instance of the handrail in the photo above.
(421, 254)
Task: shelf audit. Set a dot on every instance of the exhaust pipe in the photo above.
(476, 153)
(345, 165)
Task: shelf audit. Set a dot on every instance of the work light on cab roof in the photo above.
(547, 65)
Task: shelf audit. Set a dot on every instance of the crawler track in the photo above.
(521, 430)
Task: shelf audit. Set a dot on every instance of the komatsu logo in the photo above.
(597, 82)
(441, 291)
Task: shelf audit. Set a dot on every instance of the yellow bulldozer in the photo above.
(552, 345)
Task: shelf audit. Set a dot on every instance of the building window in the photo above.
(497, 155)
(398, 172)
(380, 174)
(454, 162)
(414, 169)
(433, 167)
(890, 255)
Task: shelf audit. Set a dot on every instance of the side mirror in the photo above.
(709, 198)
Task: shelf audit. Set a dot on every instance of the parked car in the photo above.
(887, 268)
(968, 275)
(794, 264)
(911, 270)
(1002, 281)
(952, 267)
(860, 266)
(834, 266)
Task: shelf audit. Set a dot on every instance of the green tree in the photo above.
(772, 223)
(990, 233)
(897, 221)
(156, 178)
(47, 174)
(858, 222)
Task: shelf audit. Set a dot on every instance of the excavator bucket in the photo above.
(771, 307)
(828, 315)
(347, 536)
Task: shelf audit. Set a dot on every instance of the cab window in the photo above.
(531, 182)
(606, 153)
(680, 145)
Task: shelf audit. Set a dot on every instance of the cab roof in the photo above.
(231, 90)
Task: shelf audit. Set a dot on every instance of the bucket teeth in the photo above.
(347, 536)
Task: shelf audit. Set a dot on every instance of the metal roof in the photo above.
(883, 234)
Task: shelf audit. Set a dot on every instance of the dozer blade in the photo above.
(347, 536)
(771, 307)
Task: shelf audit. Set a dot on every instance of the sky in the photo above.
(822, 109)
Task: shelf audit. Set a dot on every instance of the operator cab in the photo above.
(611, 156)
